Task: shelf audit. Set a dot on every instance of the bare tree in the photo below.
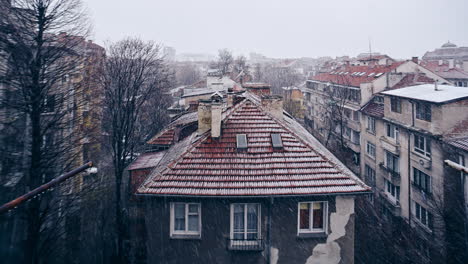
(187, 74)
(41, 96)
(134, 80)
(225, 61)
(277, 77)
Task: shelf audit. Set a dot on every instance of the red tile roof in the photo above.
(373, 109)
(165, 138)
(412, 79)
(339, 77)
(146, 160)
(216, 168)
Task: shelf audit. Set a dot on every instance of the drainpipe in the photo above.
(409, 163)
(269, 231)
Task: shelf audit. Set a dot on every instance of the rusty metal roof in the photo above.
(217, 168)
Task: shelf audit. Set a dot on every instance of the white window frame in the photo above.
(371, 124)
(368, 147)
(186, 232)
(395, 169)
(419, 219)
(426, 151)
(396, 131)
(312, 230)
(396, 189)
(259, 222)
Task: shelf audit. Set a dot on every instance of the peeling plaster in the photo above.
(274, 255)
(330, 251)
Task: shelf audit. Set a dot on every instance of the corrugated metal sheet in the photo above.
(217, 168)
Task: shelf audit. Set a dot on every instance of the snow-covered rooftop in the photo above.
(427, 92)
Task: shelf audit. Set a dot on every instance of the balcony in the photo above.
(246, 244)
(392, 205)
(392, 175)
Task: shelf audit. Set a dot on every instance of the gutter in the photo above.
(255, 196)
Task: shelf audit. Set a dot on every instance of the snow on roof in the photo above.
(427, 92)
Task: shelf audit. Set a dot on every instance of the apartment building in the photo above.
(346, 90)
(403, 150)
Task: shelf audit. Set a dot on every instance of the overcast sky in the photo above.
(286, 28)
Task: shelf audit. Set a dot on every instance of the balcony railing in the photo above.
(246, 244)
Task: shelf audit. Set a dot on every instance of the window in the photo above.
(392, 190)
(422, 145)
(49, 104)
(392, 131)
(356, 137)
(371, 124)
(245, 221)
(241, 141)
(423, 215)
(392, 162)
(423, 111)
(422, 180)
(355, 115)
(347, 132)
(185, 219)
(461, 161)
(395, 105)
(276, 141)
(312, 217)
(370, 149)
(370, 175)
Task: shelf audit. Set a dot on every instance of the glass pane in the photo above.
(179, 216)
(238, 218)
(318, 215)
(193, 208)
(252, 218)
(193, 223)
(252, 236)
(304, 216)
(239, 236)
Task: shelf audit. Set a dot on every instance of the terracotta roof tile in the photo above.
(346, 76)
(216, 168)
(461, 143)
(146, 161)
(373, 109)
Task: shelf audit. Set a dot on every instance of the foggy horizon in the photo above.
(400, 29)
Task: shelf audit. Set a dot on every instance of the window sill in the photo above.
(420, 155)
(312, 235)
(186, 236)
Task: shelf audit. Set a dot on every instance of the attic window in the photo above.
(378, 74)
(241, 141)
(276, 141)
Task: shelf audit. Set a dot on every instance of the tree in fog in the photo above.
(40, 97)
(187, 74)
(277, 77)
(134, 80)
(225, 61)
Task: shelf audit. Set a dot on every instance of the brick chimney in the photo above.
(230, 97)
(273, 104)
(415, 60)
(204, 116)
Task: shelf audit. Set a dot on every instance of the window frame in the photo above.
(426, 150)
(186, 233)
(392, 190)
(311, 215)
(395, 105)
(394, 157)
(369, 177)
(389, 128)
(368, 145)
(417, 176)
(418, 210)
(423, 111)
(259, 222)
(371, 124)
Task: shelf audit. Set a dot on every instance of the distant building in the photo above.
(449, 52)
(169, 53)
(249, 185)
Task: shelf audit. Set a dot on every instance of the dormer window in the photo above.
(276, 141)
(241, 140)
